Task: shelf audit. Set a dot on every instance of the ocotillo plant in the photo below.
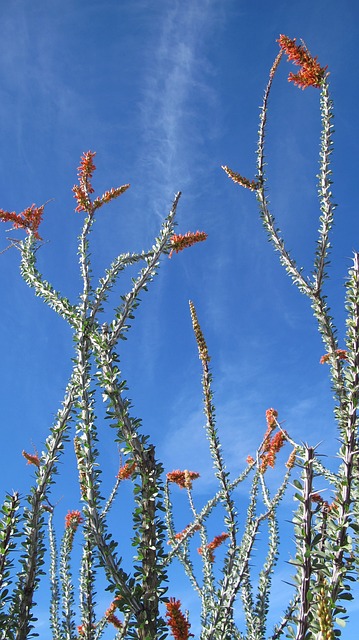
(325, 535)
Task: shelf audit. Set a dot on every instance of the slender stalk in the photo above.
(306, 544)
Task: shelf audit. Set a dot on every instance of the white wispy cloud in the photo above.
(177, 103)
(177, 95)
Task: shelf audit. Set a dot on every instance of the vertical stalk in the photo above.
(305, 551)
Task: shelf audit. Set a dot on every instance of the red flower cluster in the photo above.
(81, 630)
(291, 460)
(271, 419)
(182, 478)
(73, 519)
(181, 534)
(236, 177)
(271, 415)
(83, 190)
(216, 542)
(126, 471)
(326, 506)
(110, 614)
(271, 447)
(180, 242)
(28, 219)
(311, 73)
(341, 354)
(86, 170)
(112, 194)
(177, 622)
(31, 459)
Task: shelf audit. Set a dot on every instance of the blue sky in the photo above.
(166, 93)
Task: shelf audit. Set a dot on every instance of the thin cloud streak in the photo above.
(177, 102)
(177, 71)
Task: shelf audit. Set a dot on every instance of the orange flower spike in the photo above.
(278, 441)
(341, 354)
(211, 546)
(249, 460)
(217, 541)
(252, 185)
(264, 464)
(73, 519)
(82, 631)
(10, 216)
(28, 219)
(126, 471)
(276, 444)
(271, 419)
(270, 449)
(86, 169)
(183, 479)
(110, 195)
(180, 242)
(114, 620)
(32, 217)
(210, 554)
(31, 459)
(271, 415)
(181, 534)
(85, 173)
(311, 73)
(82, 200)
(177, 622)
(110, 615)
(291, 460)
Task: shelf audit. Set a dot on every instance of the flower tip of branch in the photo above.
(178, 242)
(341, 354)
(252, 185)
(126, 471)
(28, 219)
(110, 614)
(311, 74)
(177, 622)
(214, 544)
(73, 519)
(183, 479)
(31, 459)
(112, 194)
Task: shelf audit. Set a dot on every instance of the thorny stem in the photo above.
(350, 442)
(326, 205)
(34, 516)
(54, 582)
(145, 462)
(306, 568)
(268, 219)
